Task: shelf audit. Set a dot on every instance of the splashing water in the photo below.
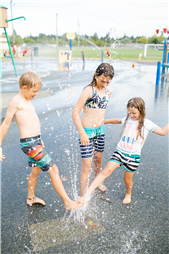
(78, 214)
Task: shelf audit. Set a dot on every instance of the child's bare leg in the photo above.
(106, 172)
(129, 185)
(97, 158)
(32, 180)
(59, 188)
(84, 178)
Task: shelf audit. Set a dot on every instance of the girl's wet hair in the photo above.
(138, 103)
(103, 69)
(29, 79)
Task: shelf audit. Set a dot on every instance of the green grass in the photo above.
(94, 53)
(118, 53)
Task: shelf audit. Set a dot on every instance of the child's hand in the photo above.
(84, 139)
(42, 144)
(2, 156)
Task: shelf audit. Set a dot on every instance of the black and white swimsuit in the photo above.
(96, 101)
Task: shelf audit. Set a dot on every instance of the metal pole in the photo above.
(102, 55)
(10, 51)
(70, 44)
(0, 68)
(158, 73)
(12, 23)
(78, 38)
(164, 53)
(57, 50)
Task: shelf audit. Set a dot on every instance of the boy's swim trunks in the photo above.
(37, 155)
(129, 162)
(96, 142)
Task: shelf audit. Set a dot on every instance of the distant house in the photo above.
(3, 43)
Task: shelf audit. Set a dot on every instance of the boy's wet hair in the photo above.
(138, 103)
(29, 79)
(103, 69)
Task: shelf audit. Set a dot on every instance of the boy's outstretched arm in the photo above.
(113, 121)
(7, 122)
(161, 131)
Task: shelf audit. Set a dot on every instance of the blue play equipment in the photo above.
(161, 67)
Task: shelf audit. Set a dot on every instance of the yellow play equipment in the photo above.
(65, 56)
(65, 59)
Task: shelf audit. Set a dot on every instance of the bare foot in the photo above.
(81, 200)
(127, 199)
(72, 205)
(102, 187)
(35, 200)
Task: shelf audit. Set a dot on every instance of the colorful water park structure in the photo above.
(65, 56)
(161, 67)
(4, 24)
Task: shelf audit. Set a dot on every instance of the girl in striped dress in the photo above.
(128, 150)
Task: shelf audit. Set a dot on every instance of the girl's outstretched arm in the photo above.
(161, 131)
(113, 121)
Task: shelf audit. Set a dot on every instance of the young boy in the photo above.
(31, 144)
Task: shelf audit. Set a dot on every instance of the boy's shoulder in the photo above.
(16, 99)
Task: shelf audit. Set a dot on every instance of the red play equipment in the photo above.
(165, 30)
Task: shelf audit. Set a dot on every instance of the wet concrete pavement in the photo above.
(142, 226)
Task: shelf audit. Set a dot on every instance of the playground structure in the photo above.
(65, 57)
(161, 67)
(4, 24)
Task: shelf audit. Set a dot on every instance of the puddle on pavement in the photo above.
(61, 231)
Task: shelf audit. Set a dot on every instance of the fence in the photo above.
(117, 51)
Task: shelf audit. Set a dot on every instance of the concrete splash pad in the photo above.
(62, 231)
(142, 226)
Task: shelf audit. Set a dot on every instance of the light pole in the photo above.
(57, 50)
(12, 23)
(78, 37)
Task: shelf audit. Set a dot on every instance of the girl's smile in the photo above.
(134, 113)
(102, 81)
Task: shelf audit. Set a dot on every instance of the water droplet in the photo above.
(57, 112)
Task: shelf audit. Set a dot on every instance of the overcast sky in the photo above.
(119, 17)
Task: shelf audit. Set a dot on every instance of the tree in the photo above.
(142, 39)
(29, 40)
(133, 40)
(95, 37)
(156, 39)
(19, 40)
(125, 40)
